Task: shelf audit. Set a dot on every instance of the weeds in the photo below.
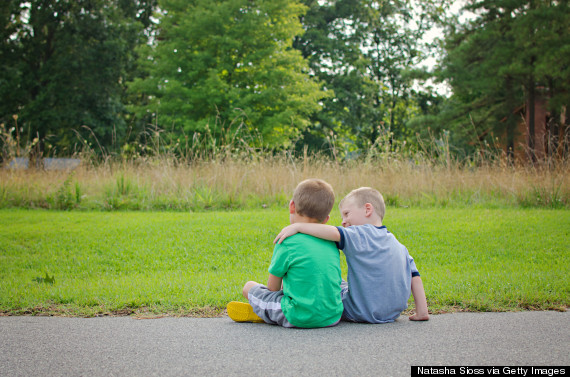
(270, 181)
(13, 144)
(45, 280)
(67, 196)
(226, 168)
(124, 186)
(549, 197)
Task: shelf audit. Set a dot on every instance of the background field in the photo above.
(175, 263)
(262, 180)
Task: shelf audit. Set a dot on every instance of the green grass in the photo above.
(90, 263)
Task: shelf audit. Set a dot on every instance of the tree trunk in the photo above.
(531, 113)
(553, 124)
(511, 119)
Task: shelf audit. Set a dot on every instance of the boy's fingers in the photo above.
(285, 232)
(278, 238)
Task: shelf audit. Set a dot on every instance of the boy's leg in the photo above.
(344, 295)
(267, 305)
(240, 311)
(343, 287)
(247, 287)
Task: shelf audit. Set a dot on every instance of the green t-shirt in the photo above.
(310, 268)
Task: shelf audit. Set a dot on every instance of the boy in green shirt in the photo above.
(303, 288)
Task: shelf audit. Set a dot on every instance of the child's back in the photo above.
(303, 287)
(310, 268)
(380, 272)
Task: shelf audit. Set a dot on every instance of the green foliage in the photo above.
(46, 279)
(214, 61)
(124, 193)
(499, 62)
(65, 64)
(67, 196)
(366, 52)
(552, 198)
(180, 263)
(104, 77)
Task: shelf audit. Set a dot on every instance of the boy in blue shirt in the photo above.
(304, 284)
(381, 273)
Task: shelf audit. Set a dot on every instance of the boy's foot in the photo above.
(242, 312)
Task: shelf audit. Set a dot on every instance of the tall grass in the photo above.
(204, 172)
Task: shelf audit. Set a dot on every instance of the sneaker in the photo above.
(242, 312)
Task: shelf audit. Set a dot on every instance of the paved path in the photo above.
(43, 346)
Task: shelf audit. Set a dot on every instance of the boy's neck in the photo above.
(374, 219)
(377, 224)
(303, 219)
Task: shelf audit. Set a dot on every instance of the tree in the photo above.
(66, 65)
(332, 44)
(543, 32)
(214, 61)
(366, 52)
(496, 63)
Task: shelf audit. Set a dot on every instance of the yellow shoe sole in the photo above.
(242, 312)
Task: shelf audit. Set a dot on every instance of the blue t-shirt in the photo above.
(380, 274)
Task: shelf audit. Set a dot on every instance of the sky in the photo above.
(437, 33)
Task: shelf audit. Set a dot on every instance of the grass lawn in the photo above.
(89, 263)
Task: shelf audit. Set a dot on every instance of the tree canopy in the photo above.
(313, 73)
(214, 61)
(66, 63)
(497, 62)
(367, 52)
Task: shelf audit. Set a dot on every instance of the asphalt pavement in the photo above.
(124, 346)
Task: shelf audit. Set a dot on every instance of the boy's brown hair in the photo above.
(314, 198)
(365, 195)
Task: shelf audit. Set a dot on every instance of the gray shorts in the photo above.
(343, 295)
(267, 305)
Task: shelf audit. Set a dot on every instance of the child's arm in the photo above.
(326, 232)
(420, 300)
(274, 283)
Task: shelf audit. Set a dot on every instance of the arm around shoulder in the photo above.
(420, 300)
(326, 232)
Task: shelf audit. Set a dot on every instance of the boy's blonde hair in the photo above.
(365, 195)
(314, 198)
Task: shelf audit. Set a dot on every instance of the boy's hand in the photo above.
(288, 231)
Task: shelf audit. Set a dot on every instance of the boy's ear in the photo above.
(327, 219)
(292, 207)
(369, 209)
